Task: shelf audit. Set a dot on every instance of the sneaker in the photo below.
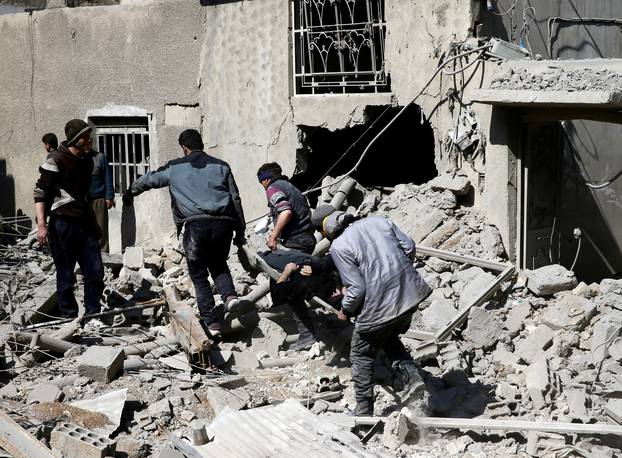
(93, 324)
(364, 408)
(231, 302)
(215, 329)
(414, 386)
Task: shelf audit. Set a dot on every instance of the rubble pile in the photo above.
(559, 79)
(532, 369)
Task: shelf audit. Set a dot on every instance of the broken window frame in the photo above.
(121, 140)
(329, 38)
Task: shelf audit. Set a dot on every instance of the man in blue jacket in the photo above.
(102, 193)
(375, 261)
(206, 203)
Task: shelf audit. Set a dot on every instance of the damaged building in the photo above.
(485, 129)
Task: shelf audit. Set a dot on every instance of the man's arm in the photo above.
(352, 279)
(44, 193)
(278, 200)
(108, 176)
(42, 230)
(237, 203)
(405, 241)
(281, 222)
(152, 180)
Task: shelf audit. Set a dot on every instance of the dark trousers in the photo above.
(207, 244)
(304, 242)
(71, 242)
(365, 348)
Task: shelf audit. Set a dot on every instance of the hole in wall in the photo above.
(404, 153)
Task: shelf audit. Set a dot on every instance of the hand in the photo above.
(128, 198)
(342, 316)
(110, 203)
(306, 271)
(271, 243)
(290, 268)
(42, 234)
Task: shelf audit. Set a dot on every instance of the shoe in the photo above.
(215, 329)
(93, 324)
(364, 408)
(303, 343)
(231, 302)
(414, 386)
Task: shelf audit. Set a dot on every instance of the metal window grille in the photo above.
(338, 46)
(127, 149)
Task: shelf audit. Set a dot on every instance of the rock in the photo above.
(438, 265)
(169, 452)
(101, 364)
(438, 236)
(541, 444)
(515, 319)
(131, 448)
(423, 227)
(551, 279)
(160, 409)
(174, 272)
(44, 392)
(582, 290)
(530, 348)
(506, 391)
(503, 356)
(474, 288)
(569, 312)
(542, 384)
(605, 330)
(438, 314)
(172, 255)
(483, 329)
(615, 349)
(609, 285)
(466, 275)
(491, 241)
(133, 257)
(395, 431)
(458, 184)
(576, 399)
(611, 300)
(268, 336)
(9, 391)
(245, 359)
(219, 398)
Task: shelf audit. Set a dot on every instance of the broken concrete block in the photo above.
(72, 440)
(483, 329)
(614, 410)
(515, 319)
(551, 279)
(245, 359)
(219, 398)
(174, 272)
(541, 444)
(169, 452)
(172, 255)
(133, 257)
(438, 265)
(605, 330)
(609, 285)
(438, 314)
(474, 288)
(576, 400)
(395, 431)
(268, 336)
(160, 409)
(44, 392)
(615, 349)
(467, 275)
(491, 241)
(101, 364)
(542, 383)
(453, 364)
(530, 348)
(569, 312)
(438, 236)
(9, 391)
(458, 184)
(428, 223)
(582, 290)
(507, 391)
(611, 300)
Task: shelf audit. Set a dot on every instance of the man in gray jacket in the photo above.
(206, 202)
(375, 261)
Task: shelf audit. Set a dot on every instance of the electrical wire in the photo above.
(509, 10)
(576, 257)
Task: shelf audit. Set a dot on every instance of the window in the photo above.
(338, 46)
(125, 141)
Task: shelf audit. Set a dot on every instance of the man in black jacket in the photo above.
(206, 202)
(63, 185)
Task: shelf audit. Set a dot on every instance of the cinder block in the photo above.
(72, 440)
(101, 364)
(133, 257)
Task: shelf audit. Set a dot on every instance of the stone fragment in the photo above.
(438, 314)
(154, 263)
(9, 391)
(609, 285)
(466, 275)
(530, 348)
(424, 226)
(395, 431)
(542, 383)
(458, 184)
(73, 441)
(515, 319)
(268, 336)
(131, 448)
(507, 391)
(614, 410)
(172, 255)
(582, 290)
(475, 287)
(438, 236)
(169, 452)
(438, 265)
(540, 444)
(491, 241)
(576, 400)
(615, 349)
(219, 398)
(245, 359)
(133, 257)
(569, 312)
(174, 272)
(505, 357)
(44, 392)
(160, 409)
(101, 364)
(604, 331)
(551, 279)
(611, 300)
(483, 329)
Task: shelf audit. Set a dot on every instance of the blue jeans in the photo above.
(70, 242)
(207, 243)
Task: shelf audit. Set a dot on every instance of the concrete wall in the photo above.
(233, 60)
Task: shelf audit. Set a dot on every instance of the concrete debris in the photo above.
(499, 364)
(558, 78)
(551, 279)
